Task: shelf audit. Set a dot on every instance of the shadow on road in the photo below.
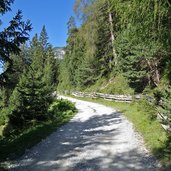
(87, 146)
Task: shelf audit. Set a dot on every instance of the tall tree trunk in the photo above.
(157, 73)
(112, 36)
(154, 72)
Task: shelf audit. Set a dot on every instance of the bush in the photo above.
(149, 109)
(61, 107)
(98, 86)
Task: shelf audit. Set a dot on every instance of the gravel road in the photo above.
(98, 138)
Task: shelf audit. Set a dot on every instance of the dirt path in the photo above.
(97, 139)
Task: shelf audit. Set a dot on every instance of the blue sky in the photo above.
(54, 14)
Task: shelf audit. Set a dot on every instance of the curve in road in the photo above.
(98, 138)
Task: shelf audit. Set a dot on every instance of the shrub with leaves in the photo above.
(60, 107)
(148, 108)
(119, 85)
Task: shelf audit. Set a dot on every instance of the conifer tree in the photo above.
(30, 99)
(11, 38)
(51, 68)
(33, 94)
(116, 40)
(36, 54)
(43, 39)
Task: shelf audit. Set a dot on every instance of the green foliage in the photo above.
(31, 90)
(27, 83)
(3, 108)
(60, 108)
(118, 85)
(149, 109)
(64, 79)
(51, 69)
(11, 38)
(30, 100)
(44, 38)
(144, 43)
(2, 98)
(3, 116)
(123, 47)
(114, 40)
(17, 142)
(13, 146)
(98, 86)
(130, 62)
(164, 99)
(20, 63)
(88, 56)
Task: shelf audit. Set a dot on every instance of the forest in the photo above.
(121, 47)
(28, 79)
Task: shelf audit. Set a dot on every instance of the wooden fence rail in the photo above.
(124, 98)
(121, 98)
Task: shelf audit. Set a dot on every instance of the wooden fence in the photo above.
(124, 98)
(119, 98)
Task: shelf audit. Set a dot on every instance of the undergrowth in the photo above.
(14, 145)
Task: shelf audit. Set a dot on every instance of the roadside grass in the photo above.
(15, 145)
(143, 117)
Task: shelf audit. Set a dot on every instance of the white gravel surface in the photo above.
(98, 138)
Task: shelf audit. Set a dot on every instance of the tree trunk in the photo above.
(112, 36)
(154, 71)
(157, 74)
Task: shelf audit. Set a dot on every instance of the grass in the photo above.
(15, 145)
(112, 85)
(142, 115)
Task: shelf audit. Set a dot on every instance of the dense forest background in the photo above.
(121, 47)
(128, 42)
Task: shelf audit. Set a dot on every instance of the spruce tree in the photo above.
(30, 99)
(44, 38)
(33, 94)
(11, 38)
(51, 68)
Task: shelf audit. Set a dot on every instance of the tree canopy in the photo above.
(11, 38)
